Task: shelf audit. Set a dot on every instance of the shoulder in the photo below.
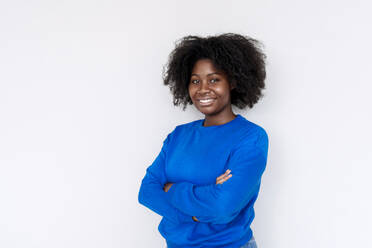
(185, 127)
(181, 129)
(253, 135)
(253, 132)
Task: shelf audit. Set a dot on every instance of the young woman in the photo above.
(206, 178)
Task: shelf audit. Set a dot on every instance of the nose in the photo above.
(203, 86)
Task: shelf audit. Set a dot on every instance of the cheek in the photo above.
(223, 92)
(191, 91)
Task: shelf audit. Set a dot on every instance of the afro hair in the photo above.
(240, 57)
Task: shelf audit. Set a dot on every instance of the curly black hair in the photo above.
(240, 57)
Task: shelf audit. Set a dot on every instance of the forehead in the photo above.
(204, 66)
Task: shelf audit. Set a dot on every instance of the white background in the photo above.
(84, 113)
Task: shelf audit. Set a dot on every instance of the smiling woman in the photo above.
(206, 178)
(209, 88)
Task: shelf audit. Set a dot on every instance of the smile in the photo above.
(206, 102)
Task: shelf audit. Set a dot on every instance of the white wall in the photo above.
(84, 112)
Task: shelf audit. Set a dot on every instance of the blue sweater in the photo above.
(192, 157)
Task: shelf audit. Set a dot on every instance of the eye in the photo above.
(192, 81)
(214, 80)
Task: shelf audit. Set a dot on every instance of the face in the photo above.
(207, 82)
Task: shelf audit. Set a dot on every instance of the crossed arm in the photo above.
(214, 203)
(219, 180)
(154, 187)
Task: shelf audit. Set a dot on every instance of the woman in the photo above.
(206, 178)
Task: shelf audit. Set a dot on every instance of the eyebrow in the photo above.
(193, 74)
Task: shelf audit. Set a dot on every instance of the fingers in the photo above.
(224, 177)
(222, 180)
(167, 186)
(195, 219)
(224, 174)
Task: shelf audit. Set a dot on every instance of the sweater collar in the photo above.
(199, 124)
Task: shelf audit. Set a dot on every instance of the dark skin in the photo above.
(207, 82)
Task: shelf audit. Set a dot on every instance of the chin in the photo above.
(207, 111)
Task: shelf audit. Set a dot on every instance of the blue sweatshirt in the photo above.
(192, 157)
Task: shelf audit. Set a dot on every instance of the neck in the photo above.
(218, 119)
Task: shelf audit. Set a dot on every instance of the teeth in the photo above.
(205, 101)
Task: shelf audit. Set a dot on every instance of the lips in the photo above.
(205, 101)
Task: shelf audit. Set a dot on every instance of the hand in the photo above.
(167, 186)
(195, 219)
(224, 177)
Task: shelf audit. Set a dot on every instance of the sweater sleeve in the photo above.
(151, 193)
(220, 203)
